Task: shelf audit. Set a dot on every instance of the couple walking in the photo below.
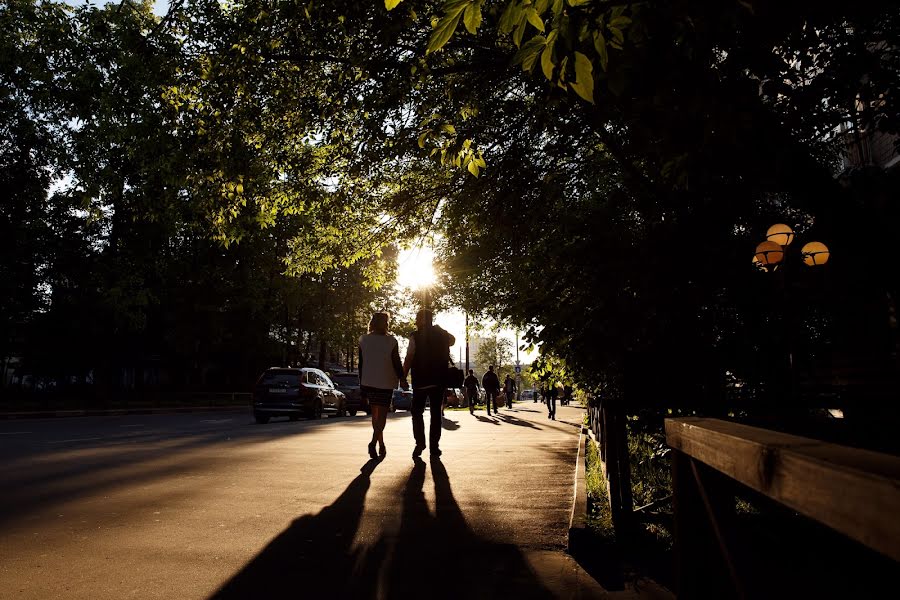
(380, 371)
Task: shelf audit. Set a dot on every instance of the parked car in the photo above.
(402, 400)
(295, 392)
(348, 383)
(528, 395)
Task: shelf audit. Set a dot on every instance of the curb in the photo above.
(49, 414)
(578, 515)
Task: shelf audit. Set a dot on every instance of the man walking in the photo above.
(471, 385)
(491, 384)
(552, 393)
(509, 388)
(427, 356)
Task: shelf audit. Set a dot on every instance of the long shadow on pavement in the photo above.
(512, 420)
(431, 555)
(314, 557)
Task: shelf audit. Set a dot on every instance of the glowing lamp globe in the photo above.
(815, 254)
(781, 234)
(769, 253)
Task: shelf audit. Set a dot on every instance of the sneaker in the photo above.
(417, 451)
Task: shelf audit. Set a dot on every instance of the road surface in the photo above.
(213, 505)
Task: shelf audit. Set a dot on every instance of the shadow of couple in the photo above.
(434, 555)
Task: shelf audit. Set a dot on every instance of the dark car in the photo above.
(348, 383)
(295, 392)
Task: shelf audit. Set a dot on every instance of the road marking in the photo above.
(14, 432)
(78, 440)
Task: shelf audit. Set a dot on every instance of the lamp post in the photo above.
(467, 343)
(772, 255)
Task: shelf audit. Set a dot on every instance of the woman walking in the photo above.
(380, 370)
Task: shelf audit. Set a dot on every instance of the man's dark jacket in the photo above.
(431, 358)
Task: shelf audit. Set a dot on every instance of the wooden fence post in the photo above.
(704, 508)
(618, 470)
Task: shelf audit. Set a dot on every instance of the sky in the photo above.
(160, 6)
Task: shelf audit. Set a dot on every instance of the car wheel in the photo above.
(342, 410)
(352, 412)
(261, 419)
(317, 410)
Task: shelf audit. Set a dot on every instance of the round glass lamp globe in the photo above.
(781, 234)
(815, 254)
(769, 253)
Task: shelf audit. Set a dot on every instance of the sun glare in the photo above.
(415, 268)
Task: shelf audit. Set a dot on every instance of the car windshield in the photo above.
(347, 380)
(284, 377)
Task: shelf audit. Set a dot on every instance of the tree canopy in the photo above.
(598, 172)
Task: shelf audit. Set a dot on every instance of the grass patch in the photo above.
(599, 517)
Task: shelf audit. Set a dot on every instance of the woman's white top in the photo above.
(378, 369)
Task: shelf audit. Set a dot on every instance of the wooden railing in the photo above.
(607, 424)
(851, 491)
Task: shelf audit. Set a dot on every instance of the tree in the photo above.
(494, 350)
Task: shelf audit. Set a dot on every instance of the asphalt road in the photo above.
(213, 505)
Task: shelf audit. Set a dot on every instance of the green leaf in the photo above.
(558, 7)
(528, 53)
(547, 62)
(541, 6)
(422, 138)
(510, 16)
(534, 18)
(578, 2)
(473, 168)
(472, 17)
(446, 26)
(584, 77)
(617, 34)
(391, 4)
(448, 128)
(620, 22)
(520, 31)
(600, 46)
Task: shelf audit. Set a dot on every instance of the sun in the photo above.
(415, 268)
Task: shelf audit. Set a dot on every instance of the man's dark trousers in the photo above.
(491, 398)
(435, 396)
(551, 406)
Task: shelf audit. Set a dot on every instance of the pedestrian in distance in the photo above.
(509, 388)
(471, 385)
(552, 394)
(380, 371)
(491, 384)
(427, 358)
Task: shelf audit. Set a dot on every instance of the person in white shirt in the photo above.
(380, 371)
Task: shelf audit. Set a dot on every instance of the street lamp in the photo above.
(772, 255)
